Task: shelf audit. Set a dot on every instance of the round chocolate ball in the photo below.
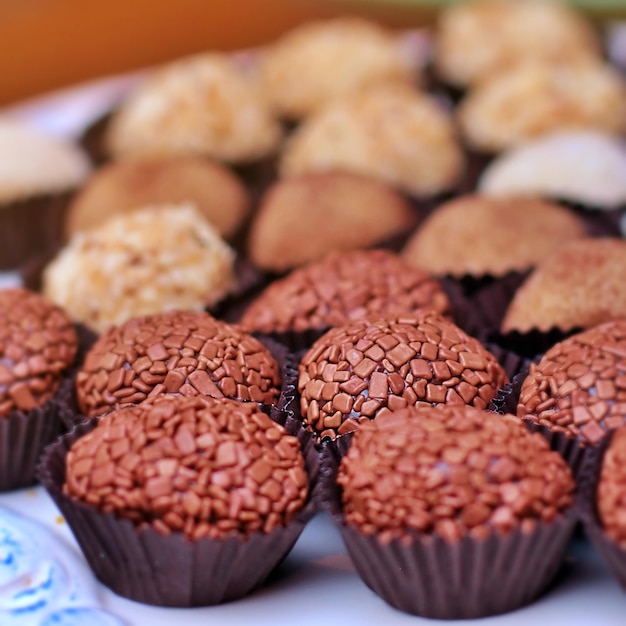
(344, 286)
(611, 495)
(38, 343)
(359, 371)
(201, 466)
(579, 386)
(178, 352)
(454, 471)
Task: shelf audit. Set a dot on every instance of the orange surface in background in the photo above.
(47, 44)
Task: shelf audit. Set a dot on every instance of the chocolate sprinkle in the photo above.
(370, 367)
(176, 353)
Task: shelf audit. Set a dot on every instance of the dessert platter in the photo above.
(302, 418)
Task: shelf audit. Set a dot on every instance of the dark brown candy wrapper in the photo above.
(31, 227)
(612, 553)
(467, 579)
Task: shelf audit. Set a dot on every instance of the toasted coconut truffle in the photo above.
(303, 218)
(203, 105)
(342, 287)
(579, 386)
(323, 61)
(199, 466)
(585, 167)
(180, 352)
(33, 163)
(580, 285)
(480, 235)
(452, 471)
(369, 367)
(533, 100)
(148, 261)
(122, 186)
(478, 39)
(396, 135)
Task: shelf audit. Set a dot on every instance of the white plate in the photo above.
(317, 584)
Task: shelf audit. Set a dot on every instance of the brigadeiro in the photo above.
(579, 285)
(342, 287)
(179, 352)
(451, 512)
(370, 367)
(303, 218)
(479, 235)
(182, 501)
(577, 391)
(603, 502)
(38, 345)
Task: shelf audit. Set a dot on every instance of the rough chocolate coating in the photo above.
(178, 352)
(202, 466)
(38, 344)
(342, 287)
(579, 386)
(453, 471)
(611, 495)
(369, 367)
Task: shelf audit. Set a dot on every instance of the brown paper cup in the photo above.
(145, 566)
(612, 553)
(467, 579)
(31, 227)
(23, 437)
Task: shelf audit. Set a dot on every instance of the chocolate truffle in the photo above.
(475, 40)
(305, 217)
(38, 344)
(579, 386)
(204, 105)
(180, 353)
(479, 235)
(451, 471)
(397, 135)
(342, 287)
(580, 285)
(611, 495)
(319, 62)
(532, 100)
(357, 372)
(122, 186)
(200, 466)
(148, 261)
(585, 167)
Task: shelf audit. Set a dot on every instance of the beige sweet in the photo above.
(322, 61)
(580, 285)
(122, 186)
(532, 100)
(305, 217)
(477, 39)
(149, 261)
(34, 163)
(205, 104)
(480, 235)
(586, 167)
(397, 135)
